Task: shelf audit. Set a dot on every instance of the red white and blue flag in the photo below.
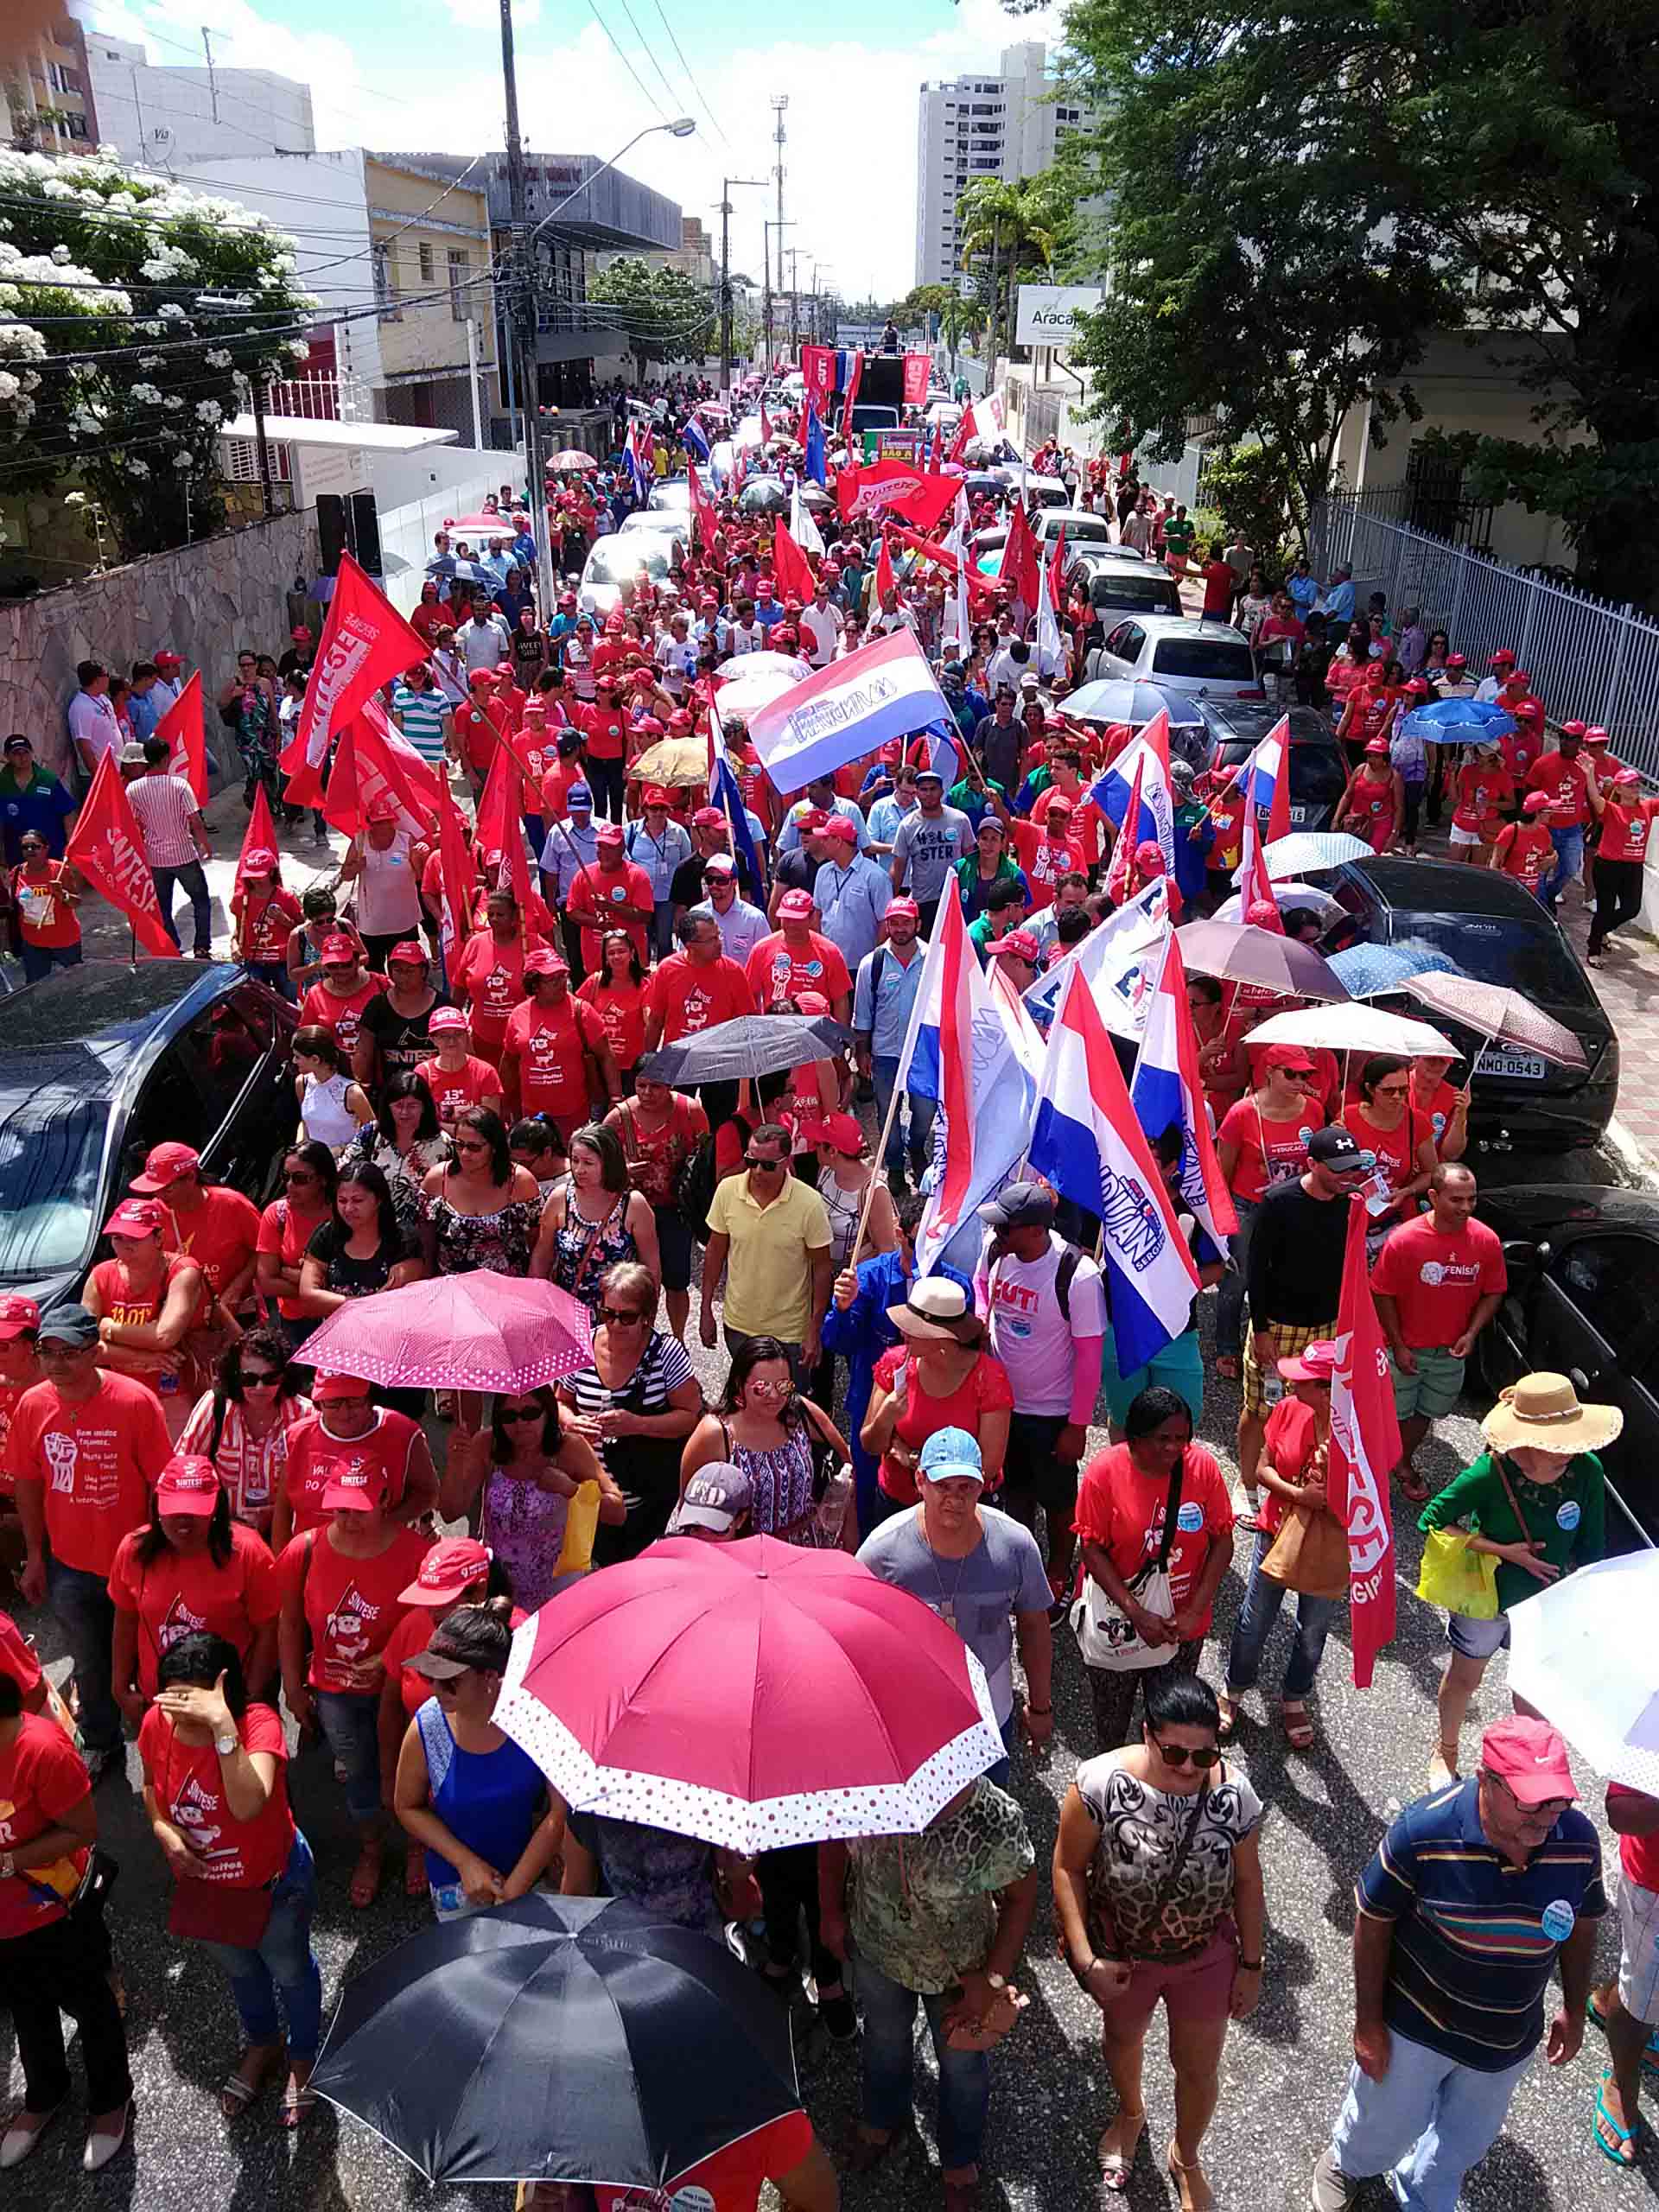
(852, 707)
(963, 1049)
(637, 454)
(1141, 770)
(1167, 1094)
(1088, 1145)
(1264, 778)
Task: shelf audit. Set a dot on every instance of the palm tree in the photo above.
(1019, 218)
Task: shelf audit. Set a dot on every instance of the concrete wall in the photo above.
(168, 118)
(203, 601)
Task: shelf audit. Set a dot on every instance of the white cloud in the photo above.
(849, 157)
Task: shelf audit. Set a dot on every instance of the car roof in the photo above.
(1439, 888)
(1190, 626)
(1243, 721)
(1051, 516)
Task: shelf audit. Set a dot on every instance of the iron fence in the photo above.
(1589, 660)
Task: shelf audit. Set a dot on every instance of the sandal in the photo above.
(863, 2154)
(1226, 1730)
(366, 1875)
(1619, 2148)
(1115, 2163)
(299, 2102)
(1226, 1365)
(1193, 2184)
(415, 1881)
(1299, 1729)
(1413, 1487)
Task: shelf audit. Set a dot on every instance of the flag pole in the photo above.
(875, 1171)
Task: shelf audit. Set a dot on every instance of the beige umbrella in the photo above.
(680, 761)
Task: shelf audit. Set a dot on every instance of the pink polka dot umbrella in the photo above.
(751, 1694)
(480, 1331)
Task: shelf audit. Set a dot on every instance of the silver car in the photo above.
(1203, 659)
(617, 559)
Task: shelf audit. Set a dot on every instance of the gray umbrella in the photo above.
(753, 1044)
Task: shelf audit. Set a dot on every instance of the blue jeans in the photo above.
(40, 959)
(282, 1961)
(80, 1603)
(349, 1729)
(1425, 2124)
(193, 877)
(887, 2061)
(1230, 1291)
(1263, 1598)
(1569, 862)
(884, 1072)
(274, 972)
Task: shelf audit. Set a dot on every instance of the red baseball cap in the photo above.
(167, 659)
(411, 954)
(136, 1218)
(337, 949)
(653, 795)
(1054, 802)
(165, 1164)
(1530, 1757)
(1595, 735)
(1503, 657)
(260, 861)
(719, 864)
(480, 675)
(842, 826)
(708, 817)
(648, 726)
(844, 1131)
(608, 833)
(1577, 729)
(1528, 709)
(300, 633)
(17, 1314)
(1020, 943)
(814, 817)
(357, 1485)
(187, 1484)
(1378, 745)
(904, 907)
(1316, 1363)
(1535, 802)
(544, 962)
(812, 1003)
(353, 1386)
(1625, 776)
(679, 721)
(444, 1019)
(384, 808)
(451, 1567)
(1289, 1055)
(795, 906)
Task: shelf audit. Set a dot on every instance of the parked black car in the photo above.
(1584, 1301)
(1318, 772)
(100, 1062)
(1492, 929)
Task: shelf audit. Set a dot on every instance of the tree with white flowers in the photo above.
(134, 313)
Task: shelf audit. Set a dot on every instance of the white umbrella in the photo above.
(1582, 1652)
(1287, 894)
(751, 688)
(1306, 852)
(1355, 1027)
(747, 665)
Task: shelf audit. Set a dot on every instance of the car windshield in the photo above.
(1522, 956)
(609, 564)
(1081, 529)
(1118, 587)
(52, 1136)
(1210, 660)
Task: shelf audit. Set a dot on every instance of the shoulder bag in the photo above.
(1106, 1636)
(1167, 1889)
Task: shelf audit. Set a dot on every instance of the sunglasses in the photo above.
(624, 1316)
(1550, 1809)
(264, 1379)
(299, 1175)
(758, 1160)
(523, 1413)
(772, 1390)
(336, 1405)
(1179, 1755)
(470, 1144)
(1391, 1091)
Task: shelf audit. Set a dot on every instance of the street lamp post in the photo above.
(726, 184)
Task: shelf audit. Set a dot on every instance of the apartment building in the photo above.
(1006, 124)
(168, 117)
(50, 104)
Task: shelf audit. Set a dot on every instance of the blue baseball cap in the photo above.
(579, 795)
(951, 1454)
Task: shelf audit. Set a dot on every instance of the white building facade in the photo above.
(1005, 123)
(169, 119)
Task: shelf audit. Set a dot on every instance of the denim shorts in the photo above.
(1476, 1639)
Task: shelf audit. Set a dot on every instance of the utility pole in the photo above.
(212, 81)
(779, 102)
(267, 497)
(794, 299)
(524, 322)
(726, 184)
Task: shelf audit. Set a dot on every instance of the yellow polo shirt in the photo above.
(768, 1274)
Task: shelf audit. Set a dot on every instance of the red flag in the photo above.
(765, 427)
(964, 431)
(1363, 1451)
(181, 728)
(916, 368)
(531, 905)
(704, 520)
(790, 567)
(885, 580)
(854, 375)
(261, 833)
(818, 375)
(373, 763)
(365, 642)
(893, 486)
(107, 850)
(1020, 562)
(979, 587)
(496, 804)
(1256, 885)
(1120, 876)
(459, 875)
(1057, 572)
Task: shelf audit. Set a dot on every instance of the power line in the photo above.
(695, 87)
(650, 97)
(649, 52)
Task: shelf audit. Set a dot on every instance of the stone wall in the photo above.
(203, 601)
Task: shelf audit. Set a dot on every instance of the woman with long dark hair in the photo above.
(287, 1226)
(480, 1209)
(404, 1140)
(190, 1563)
(522, 1474)
(763, 1427)
(596, 1220)
(363, 1247)
(241, 1424)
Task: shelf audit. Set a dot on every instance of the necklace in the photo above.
(946, 1607)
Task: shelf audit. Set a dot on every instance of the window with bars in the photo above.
(429, 266)
(461, 262)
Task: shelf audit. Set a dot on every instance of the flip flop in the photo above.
(299, 2102)
(1413, 1487)
(1115, 2164)
(1226, 1366)
(365, 1876)
(1614, 2152)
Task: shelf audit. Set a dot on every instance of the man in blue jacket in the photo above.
(856, 1327)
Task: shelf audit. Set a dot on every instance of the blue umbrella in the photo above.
(1122, 700)
(1459, 722)
(1368, 971)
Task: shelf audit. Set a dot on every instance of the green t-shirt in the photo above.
(1567, 1517)
(1179, 535)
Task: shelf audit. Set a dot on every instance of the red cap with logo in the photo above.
(337, 950)
(136, 1218)
(260, 861)
(357, 1487)
(1529, 1758)
(795, 906)
(17, 1314)
(410, 954)
(542, 962)
(187, 1484)
(166, 1163)
(1020, 943)
(708, 817)
(451, 1567)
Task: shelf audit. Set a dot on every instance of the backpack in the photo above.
(694, 1186)
(1065, 1276)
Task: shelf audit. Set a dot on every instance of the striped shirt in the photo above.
(1475, 1939)
(164, 807)
(422, 714)
(662, 1367)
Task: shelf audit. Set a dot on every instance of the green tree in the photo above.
(1018, 225)
(660, 314)
(137, 313)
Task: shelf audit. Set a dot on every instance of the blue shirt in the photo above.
(863, 1332)
(1475, 1939)
(42, 804)
(145, 710)
(851, 902)
(1338, 603)
(489, 1801)
(658, 856)
(524, 550)
(1303, 590)
(883, 1011)
(789, 836)
(563, 863)
(769, 615)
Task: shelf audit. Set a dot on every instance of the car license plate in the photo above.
(1299, 814)
(1531, 1065)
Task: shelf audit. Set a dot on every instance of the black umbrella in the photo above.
(763, 495)
(559, 2039)
(755, 1044)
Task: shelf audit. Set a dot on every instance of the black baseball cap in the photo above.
(1334, 1147)
(1019, 1206)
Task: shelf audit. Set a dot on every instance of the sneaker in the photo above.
(1332, 2191)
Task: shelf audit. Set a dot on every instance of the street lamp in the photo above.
(682, 127)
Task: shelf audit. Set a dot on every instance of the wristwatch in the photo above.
(226, 1745)
(1249, 1966)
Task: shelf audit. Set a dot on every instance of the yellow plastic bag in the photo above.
(1454, 1577)
(580, 1524)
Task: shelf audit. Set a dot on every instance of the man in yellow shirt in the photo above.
(771, 1236)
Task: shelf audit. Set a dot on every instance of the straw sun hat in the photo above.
(1542, 1412)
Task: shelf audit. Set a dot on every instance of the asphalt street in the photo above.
(1283, 2068)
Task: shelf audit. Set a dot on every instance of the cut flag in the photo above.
(695, 438)
(1263, 778)
(894, 486)
(885, 580)
(854, 377)
(1118, 960)
(1019, 566)
(180, 730)
(851, 707)
(1088, 1145)
(791, 570)
(704, 519)
(1120, 875)
(1365, 1450)
(106, 846)
(1141, 770)
(376, 762)
(260, 836)
(963, 1050)
(1166, 1093)
(365, 642)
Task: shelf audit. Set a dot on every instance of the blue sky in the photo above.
(403, 74)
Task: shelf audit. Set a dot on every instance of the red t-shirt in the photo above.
(1625, 829)
(11, 1393)
(1288, 1440)
(1482, 796)
(95, 1462)
(1520, 748)
(285, 1231)
(16, 1658)
(1437, 1111)
(351, 1606)
(1327, 1091)
(555, 784)
(777, 973)
(730, 2180)
(411, 1638)
(1370, 808)
(190, 1791)
(42, 1777)
(221, 1236)
(987, 1390)
(1043, 861)
(1219, 583)
(477, 733)
(1568, 783)
(45, 917)
(621, 1007)
(1269, 1152)
(1226, 811)
(1526, 851)
(1395, 1149)
(656, 1155)
(491, 976)
(692, 996)
(340, 1014)
(591, 897)
(1437, 1281)
(1639, 1855)
(266, 931)
(315, 1456)
(176, 1597)
(1123, 1510)
(603, 726)
(475, 1082)
(549, 1043)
